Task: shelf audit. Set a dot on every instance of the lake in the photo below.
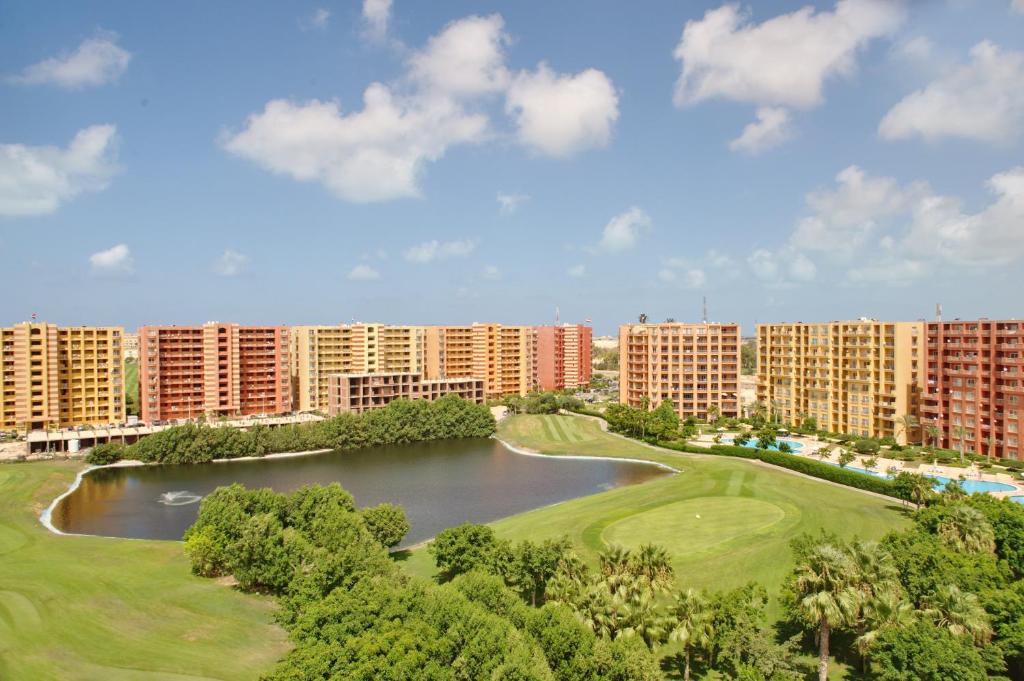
(439, 484)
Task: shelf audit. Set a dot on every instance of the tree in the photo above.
(958, 612)
(462, 548)
(387, 523)
(923, 652)
(966, 529)
(767, 437)
(827, 600)
(664, 421)
(714, 413)
(906, 424)
(693, 627)
(961, 435)
(846, 457)
(871, 463)
(933, 433)
(881, 612)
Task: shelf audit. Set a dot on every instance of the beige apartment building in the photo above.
(696, 366)
(359, 393)
(58, 377)
(859, 377)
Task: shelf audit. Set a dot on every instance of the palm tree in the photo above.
(828, 600)
(714, 413)
(885, 610)
(906, 423)
(653, 564)
(991, 442)
(961, 435)
(959, 612)
(693, 624)
(933, 433)
(759, 410)
(614, 562)
(637, 613)
(966, 530)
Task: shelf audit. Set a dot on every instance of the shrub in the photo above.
(105, 454)
(387, 523)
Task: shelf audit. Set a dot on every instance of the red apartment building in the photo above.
(975, 388)
(213, 370)
(563, 356)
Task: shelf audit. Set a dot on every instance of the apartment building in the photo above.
(213, 370)
(859, 377)
(696, 366)
(358, 393)
(58, 377)
(505, 358)
(318, 352)
(131, 346)
(448, 351)
(975, 386)
(563, 356)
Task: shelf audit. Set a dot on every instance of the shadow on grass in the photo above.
(401, 555)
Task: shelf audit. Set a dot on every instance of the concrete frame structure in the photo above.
(58, 377)
(858, 377)
(213, 370)
(359, 393)
(564, 356)
(975, 382)
(696, 366)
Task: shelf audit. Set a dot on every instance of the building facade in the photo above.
(696, 366)
(861, 377)
(213, 370)
(975, 386)
(359, 393)
(58, 377)
(563, 356)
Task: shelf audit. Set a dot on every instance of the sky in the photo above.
(452, 162)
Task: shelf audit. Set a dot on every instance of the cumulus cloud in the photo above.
(467, 58)
(509, 203)
(231, 263)
(36, 180)
(919, 48)
(842, 219)
(982, 100)
(781, 268)
(772, 128)
(377, 15)
(116, 260)
(623, 230)
(889, 270)
(429, 251)
(491, 273)
(577, 271)
(363, 273)
(375, 154)
(785, 60)
(562, 114)
(96, 61)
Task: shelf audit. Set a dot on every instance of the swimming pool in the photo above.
(1019, 500)
(752, 444)
(970, 486)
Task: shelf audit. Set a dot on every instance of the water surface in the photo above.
(440, 484)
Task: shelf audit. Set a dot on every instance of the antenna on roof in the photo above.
(704, 311)
(938, 312)
(558, 316)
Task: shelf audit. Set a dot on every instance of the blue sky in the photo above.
(468, 161)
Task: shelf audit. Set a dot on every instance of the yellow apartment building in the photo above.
(694, 365)
(58, 377)
(858, 377)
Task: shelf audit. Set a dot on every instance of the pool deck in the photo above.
(810, 447)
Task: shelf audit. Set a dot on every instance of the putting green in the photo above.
(695, 524)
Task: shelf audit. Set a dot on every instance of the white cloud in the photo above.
(509, 203)
(113, 261)
(375, 154)
(772, 128)
(667, 275)
(623, 230)
(467, 58)
(429, 251)
(231, 263)
(377, 15)
(37, 180)
(695, 279)
(982, 100)
(96, 61)
(918, 48)
(317, 20)
(784, 60)
(841, 220)
(363, 273)
(889, 270)
(781, 268)
(577, 271)
(561, 114)
(491, 273)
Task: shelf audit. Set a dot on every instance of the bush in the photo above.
(105, 454)
(387, 523)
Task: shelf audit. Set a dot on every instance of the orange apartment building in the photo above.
(57, 377)
(694, 365)
(212, 370)
(563, 356)
(975, 386)
(358, 393)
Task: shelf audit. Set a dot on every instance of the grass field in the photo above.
(131, 387)
(114, 609)
(725, 521)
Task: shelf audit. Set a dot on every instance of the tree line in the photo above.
(400, 422)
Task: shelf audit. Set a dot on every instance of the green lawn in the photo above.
(725, 521)
(131, 387)
(114, 609)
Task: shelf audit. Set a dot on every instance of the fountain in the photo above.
(178, 498)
